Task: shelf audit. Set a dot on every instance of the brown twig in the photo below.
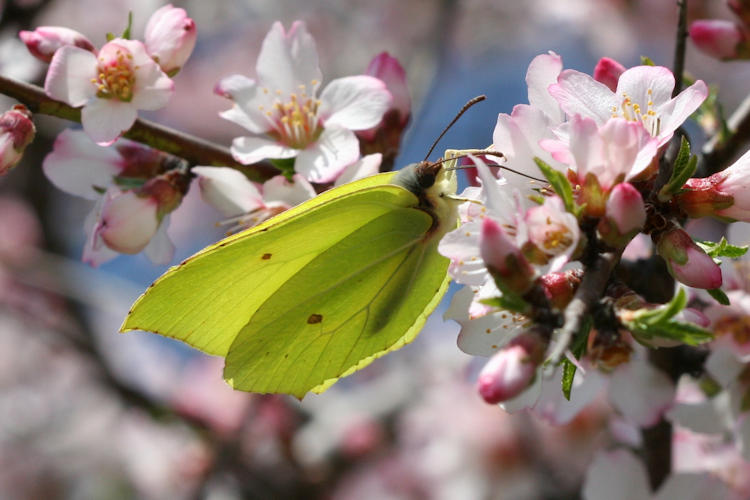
(589, 292)
(195, 150)
(716, 154)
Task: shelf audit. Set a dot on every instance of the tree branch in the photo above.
(591, 289)
(195, 150)
(717, 153)
(678, 67)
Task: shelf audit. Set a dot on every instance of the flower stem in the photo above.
(194, 150)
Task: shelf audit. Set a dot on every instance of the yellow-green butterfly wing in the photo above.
(313, 294)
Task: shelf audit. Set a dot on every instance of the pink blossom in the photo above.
(286, 117)
(603, 155)
(229, 191)
(718, 38)
(608, 71)
(724, 194)
(686, 261)
(504, 259)
(511, 370)
(170, 38)
(518, 135)
(111, 87)
(643, 95)
(44, 41)
(16, 132)
(122, 221)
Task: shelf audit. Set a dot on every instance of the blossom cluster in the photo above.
(573, 182)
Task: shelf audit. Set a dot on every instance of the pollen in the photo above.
(115, 77)
(295, 118)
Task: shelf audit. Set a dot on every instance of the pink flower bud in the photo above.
(170, 38)
(625, 215)
(16, 132)
(385, 137)
(45, 40)
(686, 261)
(608, 71)
(128, 221)
(724, 194)
(560, 287)
(166, 190)
(387, 68)
(718, 38)
(512, 369)
(504, 259)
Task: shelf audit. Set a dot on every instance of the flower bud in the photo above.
(686, 261)
(720, 39)
(511, 370)
(504, 259)
(385, 137)
(560, 287)
(608, 71)
(170, 38)
(45, 40)
(724, 194)
(625, 216)
(16, 132)
(166, 190)
(128, 221)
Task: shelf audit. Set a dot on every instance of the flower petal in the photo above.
(616, 475)
(104, 120)
(247, 150)
(579, 94)
(279, 189)
(288, 59)
(641, 392)
(95, 252)
(69, 76)
(79, 167)
(364, 167)
(248, 99)
(354, 102)
(153, 87)
(646, 83)
(324, 160)
(543, 72)
(160, 249)
(674, 112)
(228, 190)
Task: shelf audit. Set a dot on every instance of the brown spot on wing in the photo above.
(266, 256)
(314, 318)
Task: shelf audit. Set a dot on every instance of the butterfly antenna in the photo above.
(463, 110)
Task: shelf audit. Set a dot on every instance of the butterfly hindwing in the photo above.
(367, 295)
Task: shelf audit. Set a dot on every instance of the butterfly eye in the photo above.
(426, 180)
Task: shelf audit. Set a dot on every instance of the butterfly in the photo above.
(319, 291)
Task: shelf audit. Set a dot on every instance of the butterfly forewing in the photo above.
(207, 299)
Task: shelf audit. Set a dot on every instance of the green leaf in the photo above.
(659, 322)
(722, 248)
(687, 333)
(684, 168)
(508, 301)
(568, 375)
(647, 61)
(560, 184)
(285, 165)
(719, 295)
(110, 37)
(578, 349)
(126, 32)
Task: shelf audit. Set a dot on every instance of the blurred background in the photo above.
(86, 412)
